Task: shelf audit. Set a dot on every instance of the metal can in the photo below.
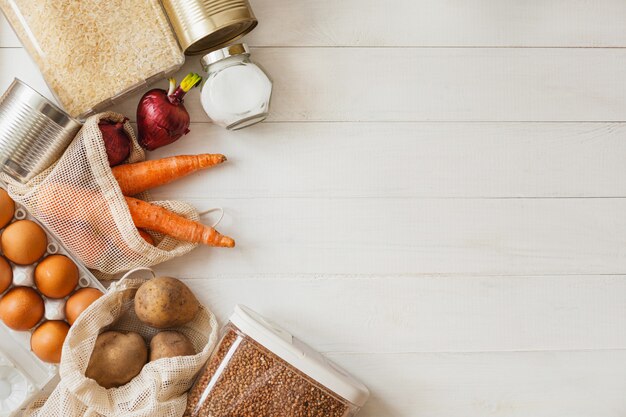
(34, 132)
(205, 25)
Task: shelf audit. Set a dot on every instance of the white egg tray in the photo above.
(22, 374)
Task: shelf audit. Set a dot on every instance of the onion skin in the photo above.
(116, 141)
(160, 122)
(161, 115)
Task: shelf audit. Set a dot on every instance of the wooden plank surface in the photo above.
(408, 314)
(406, 160)
(399, 84)
(413, 84)
(406, 236)
(538, 384)
(7, 36)
(437, 202)
(431, 23)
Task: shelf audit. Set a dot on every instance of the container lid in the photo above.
(226, 52)
(204, 25)
(299, 355)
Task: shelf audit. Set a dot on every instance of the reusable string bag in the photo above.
(79, 200)
(158, 391)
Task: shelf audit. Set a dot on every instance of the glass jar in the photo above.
(259, 369)
(236, 93)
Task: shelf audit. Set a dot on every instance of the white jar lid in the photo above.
(299, 355)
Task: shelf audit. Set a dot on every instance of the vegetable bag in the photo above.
(159, 390)
(80, 201)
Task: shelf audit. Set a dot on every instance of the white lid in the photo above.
(299, 355)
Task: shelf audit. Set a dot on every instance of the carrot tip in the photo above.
(226, 242)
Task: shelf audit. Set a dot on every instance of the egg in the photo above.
(6, 274)
(79, 301)
(21, 308)
(24, 242)
(56, 276)
(47, 340)
(7, 208)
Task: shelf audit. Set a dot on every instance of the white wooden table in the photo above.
(437, 201)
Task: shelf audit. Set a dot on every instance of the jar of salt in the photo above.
(237, 92)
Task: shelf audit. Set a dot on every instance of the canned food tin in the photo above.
(204, 25)
(33, 132)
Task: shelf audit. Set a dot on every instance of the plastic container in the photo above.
(33, 132)
(22, 374)
(236, 93)
(93, 53)
(259, 369)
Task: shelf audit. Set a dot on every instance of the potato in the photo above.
(168, 344)
(117, 358)
(165, 302)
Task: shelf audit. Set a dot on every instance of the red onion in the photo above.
(161, 115)
(116, 141)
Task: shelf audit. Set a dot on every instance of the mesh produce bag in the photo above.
(158, 391)
(79, 200)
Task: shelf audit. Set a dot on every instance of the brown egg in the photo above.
(56, 276)
(79, 301)
(21, 308)
(24, 242)
(7, 208)
(6, 274)
(47, 340)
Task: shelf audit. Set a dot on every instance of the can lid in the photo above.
(226, 52)
(299, 355)
(41, 104)
(201, 25)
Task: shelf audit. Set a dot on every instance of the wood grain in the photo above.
(408, 236)
(430, 23)
(402, 160)
(440, 213)
(406, 314)
(436, 23)
(387, 84)
(7, 36)
(391, 84)
(538, 384)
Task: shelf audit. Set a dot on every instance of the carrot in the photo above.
(141, 176)
(146, 236)
(151, 217)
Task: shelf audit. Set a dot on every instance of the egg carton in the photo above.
(22, 374)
